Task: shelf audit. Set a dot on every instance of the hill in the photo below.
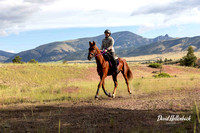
(5, 55)
(174, 45)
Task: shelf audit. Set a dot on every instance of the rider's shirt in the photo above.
(107, 43)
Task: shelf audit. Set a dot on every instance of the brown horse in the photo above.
(104, 70)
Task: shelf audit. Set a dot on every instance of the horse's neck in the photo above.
(99, 58)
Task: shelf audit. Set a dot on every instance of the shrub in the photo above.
(17, 59)
(170, 61)
(198, 62)
(65, 62)
(167, 60)
(159, 61)
(155, 65)
(33, 61)
(162, 75)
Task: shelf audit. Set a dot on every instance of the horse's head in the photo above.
(92, 50)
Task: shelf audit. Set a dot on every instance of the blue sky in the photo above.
(26, 24)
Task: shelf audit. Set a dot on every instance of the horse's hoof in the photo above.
(96, 97)
(130, 92)
(113, 96)
(109, 95)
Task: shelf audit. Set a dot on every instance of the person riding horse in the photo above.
(107, 46)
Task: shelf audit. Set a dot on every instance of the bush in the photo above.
(198, 62)
(162, 75)
(167, 60)
(155, 65)
(33, 61)
(159, 61)
(65, 62)
(17, 59)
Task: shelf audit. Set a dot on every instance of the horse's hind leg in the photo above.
(115, 83)
(127, 82)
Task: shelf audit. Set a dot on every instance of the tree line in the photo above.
(18, 59)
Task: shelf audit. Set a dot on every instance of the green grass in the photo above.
(50, 82)
(37, 82)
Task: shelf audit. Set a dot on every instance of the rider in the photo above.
(107, 46)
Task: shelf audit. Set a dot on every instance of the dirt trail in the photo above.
(136, 113)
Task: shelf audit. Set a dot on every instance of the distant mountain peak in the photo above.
(162, 38)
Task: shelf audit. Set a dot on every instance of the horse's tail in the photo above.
(127, 71)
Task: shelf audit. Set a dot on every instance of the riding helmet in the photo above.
(107, 31)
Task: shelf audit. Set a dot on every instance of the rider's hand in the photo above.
(105, 50)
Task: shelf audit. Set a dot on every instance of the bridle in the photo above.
(95, 53)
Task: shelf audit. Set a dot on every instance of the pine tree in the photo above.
(190, 59)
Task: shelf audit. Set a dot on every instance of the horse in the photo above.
(104, 70)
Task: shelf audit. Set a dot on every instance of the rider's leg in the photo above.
(114, 61)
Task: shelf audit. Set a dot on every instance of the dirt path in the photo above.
(123, 114)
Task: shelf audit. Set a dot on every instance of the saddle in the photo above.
(108, 58)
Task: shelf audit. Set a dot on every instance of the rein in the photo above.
(100, 54)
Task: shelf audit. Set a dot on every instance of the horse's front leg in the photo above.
(102, 78)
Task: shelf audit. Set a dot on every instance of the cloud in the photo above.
(24, 15)
(11, 51)
(3, 33)
(11, 17)
(173, 13)
(168, 9)
(40, 1)
(14, 14)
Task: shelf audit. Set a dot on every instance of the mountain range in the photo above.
(126, 44)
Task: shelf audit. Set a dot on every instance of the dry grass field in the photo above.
(55, 97)
(147, 58)
(154, 57)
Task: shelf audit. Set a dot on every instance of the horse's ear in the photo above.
(94, 43)
(89, 43)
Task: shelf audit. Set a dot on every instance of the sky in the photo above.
(26, 24)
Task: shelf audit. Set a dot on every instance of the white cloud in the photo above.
(21, 15)
(3, 33)
(171, 8)
(169, 14)
(11, 51)
(15, 13)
